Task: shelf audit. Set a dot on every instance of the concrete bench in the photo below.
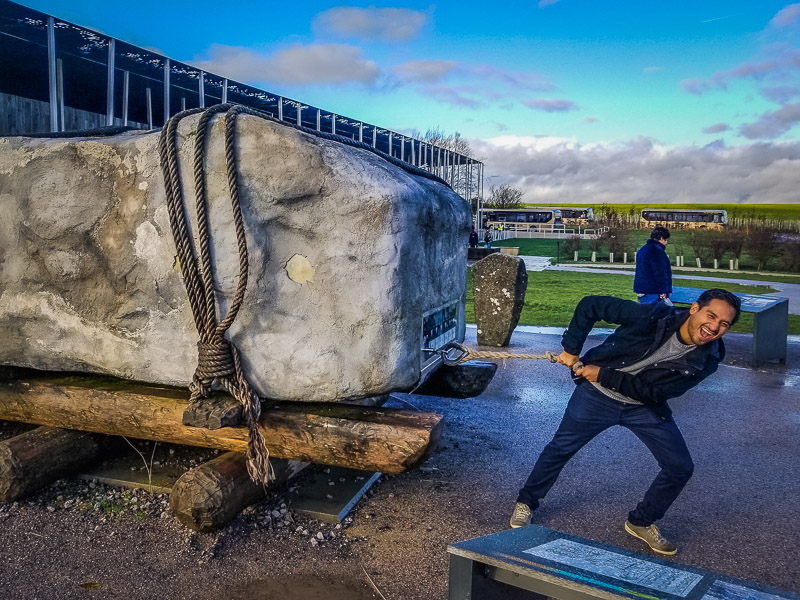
(770, 322)
(565, 567)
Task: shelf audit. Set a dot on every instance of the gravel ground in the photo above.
(80, 539)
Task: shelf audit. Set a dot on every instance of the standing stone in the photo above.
(499, 282)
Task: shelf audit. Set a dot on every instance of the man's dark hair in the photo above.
(659, 233)
(718, 294)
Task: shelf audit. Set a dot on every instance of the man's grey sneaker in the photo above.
(521, 515)
(652, 537)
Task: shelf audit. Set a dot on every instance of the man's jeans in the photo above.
(648, 298)
(589, 413)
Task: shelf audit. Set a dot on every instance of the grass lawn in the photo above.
(552, 296)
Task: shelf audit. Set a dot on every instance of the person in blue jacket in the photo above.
(658, 352)
(653, 279)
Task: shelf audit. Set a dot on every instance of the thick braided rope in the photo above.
(551, 356)
(469, 354)
(218, 360)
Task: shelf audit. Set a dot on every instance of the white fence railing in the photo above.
(532, 230)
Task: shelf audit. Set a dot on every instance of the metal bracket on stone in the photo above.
(214, 412)
(464, 380)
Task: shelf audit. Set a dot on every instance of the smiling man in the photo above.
(658, 352)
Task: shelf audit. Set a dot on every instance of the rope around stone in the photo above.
(218, 360)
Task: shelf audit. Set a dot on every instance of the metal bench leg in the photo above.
(463, 572)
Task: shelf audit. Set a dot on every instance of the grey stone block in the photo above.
(499, 282)
(347, 252)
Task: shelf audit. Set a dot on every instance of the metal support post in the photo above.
(374, 137)
(201, 88)
(319, 119)
(402, 147)
(110, 84)
(149, 98)
(225, 91)
(299, 114)
(166, 91)
(60, 94)
(280, 108)
(390, 144)
(51, 69)
(333, 123)
(183, 103)
(126, 90)
(361, 132)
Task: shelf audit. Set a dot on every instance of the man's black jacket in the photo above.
(642, 329)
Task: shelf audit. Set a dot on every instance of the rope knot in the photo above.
(214, 359)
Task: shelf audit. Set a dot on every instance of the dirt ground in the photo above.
(78, 539)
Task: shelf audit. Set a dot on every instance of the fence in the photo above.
(19, 116)
(538, 231)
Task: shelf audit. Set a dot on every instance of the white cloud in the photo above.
(551, 104)
(466, 85)
(787, 16)
(780, 94)
(425, 70)
(295, 65)
(382, 24)
(563, 171)
(717, 128)
(773, 124)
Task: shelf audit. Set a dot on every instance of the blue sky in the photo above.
(570, 100)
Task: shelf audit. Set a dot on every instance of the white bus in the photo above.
(684, 218)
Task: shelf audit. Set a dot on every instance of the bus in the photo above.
(684, 218)
(521, 219)
(576, 215)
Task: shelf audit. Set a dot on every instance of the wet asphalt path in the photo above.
(738, 514)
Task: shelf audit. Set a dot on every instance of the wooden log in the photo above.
(357, 437)
(31, 460)
(209, 496)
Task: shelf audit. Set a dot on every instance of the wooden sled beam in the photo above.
(209, 496)
(36, 458)
(357, 437)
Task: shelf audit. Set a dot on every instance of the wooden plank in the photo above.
(358, 437)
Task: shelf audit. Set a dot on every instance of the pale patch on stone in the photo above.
(152, 248)
(299, 269)
(143, 185)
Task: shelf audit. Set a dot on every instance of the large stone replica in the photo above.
(348, 252)
(499, 282)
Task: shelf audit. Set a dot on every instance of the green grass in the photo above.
(552, 296)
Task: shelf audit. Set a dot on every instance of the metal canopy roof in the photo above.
(108, 76)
